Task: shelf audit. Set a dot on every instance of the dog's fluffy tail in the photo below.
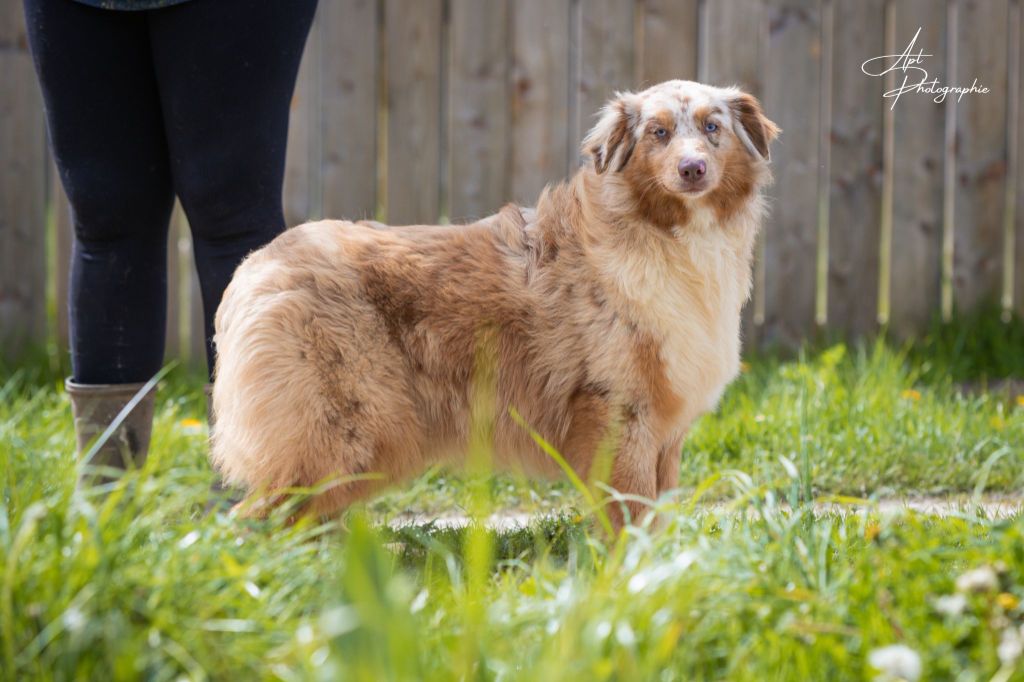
(260, 439)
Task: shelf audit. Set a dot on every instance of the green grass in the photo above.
(138, 582)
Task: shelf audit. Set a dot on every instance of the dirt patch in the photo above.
(988, 507)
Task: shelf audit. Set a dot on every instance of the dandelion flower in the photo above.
(982, 579)
(911, 394)
(1020, 400)
(1007, 601)
(191, 425)
(896, 662)
(872, 530)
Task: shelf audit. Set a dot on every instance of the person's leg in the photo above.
(106, 130)
(227, 70)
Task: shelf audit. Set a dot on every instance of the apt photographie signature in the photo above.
(915, 76)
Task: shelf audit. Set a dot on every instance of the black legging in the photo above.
(191, 100)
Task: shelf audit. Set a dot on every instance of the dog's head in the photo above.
(680, 144)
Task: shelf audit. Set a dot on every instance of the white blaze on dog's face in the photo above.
(682, 144)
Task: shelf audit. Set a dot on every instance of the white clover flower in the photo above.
(419, 602)
(625, 635)
(982, 579)
(951, 604)
(896, 662)
(1011, 646)
(74, 619)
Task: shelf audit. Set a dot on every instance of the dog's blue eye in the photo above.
(710, 127)
(661, 133)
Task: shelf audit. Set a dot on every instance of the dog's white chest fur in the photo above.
(687, 293)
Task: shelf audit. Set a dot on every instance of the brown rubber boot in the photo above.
(95, 406)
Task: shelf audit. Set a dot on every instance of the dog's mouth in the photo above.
(694, 188)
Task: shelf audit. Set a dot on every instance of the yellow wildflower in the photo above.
(1020, 400)
(745, 367)
(1007, 601)
(911, 394)
(871, 531)
(191, 424)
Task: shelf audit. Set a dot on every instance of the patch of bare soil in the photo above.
(987, 507)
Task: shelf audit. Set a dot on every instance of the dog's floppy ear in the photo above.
(614, 132)
(752, 126)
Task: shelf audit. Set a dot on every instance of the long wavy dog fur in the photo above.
(351, 348)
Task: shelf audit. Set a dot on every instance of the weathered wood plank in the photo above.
(605, 58)
(349, 62)
(916, 249)
(478, 108)
(414, 111)
(669, 45)
(1011, 189)
(174, 332)
(949, 184)
(195, 344)
(303, 164)
(738, 61)
(1018, 240)
(855, 187)
(980, 152)
(63, 234)
(792, 93)
(184, 280)
(22, 190)
(540, 97)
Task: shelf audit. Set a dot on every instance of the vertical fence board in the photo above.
(605, 58)
(349, 108)
(949, 184)
(302, 164)
(172, 338)
(414, 111)
(737, 61)
(63, 236)
(1012, 153)
(792, 93)
(916, 248)
(856, 163)
(540, 96)
(980, 152)
(1018, 263)
(22, 190)
(669, 44)
(196, 340)
(478, 108)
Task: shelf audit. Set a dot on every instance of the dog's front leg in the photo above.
(634, 474)
(668, 465)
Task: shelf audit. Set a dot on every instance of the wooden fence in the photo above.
(425, 110)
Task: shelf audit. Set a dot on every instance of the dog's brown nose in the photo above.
(692, 169)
